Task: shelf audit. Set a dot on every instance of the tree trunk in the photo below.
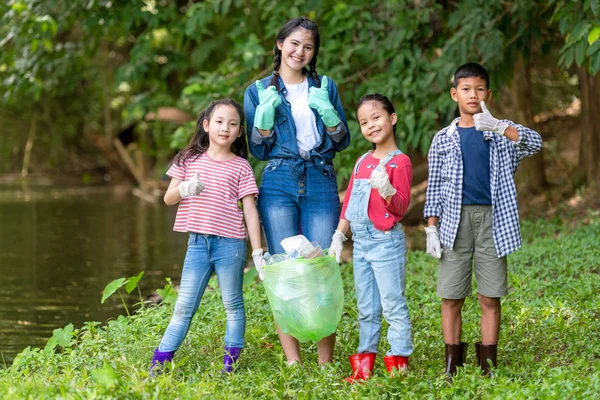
(590, 128)
(29, 146)
(108, 83)
(531, 176)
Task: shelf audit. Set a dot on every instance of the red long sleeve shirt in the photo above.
(384, 215)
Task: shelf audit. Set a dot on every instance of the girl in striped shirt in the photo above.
(208, 180)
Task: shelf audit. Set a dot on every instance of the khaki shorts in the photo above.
(474, 242)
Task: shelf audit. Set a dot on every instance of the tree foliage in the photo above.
(135, 56)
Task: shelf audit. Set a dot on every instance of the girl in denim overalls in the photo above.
(377, 198)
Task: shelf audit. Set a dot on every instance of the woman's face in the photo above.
(297, 50)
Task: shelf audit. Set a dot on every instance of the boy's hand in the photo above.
(434, 247)
(337, 244)
(268, 100)
(193, 187)
(318, 98)
(380, 180)
(484, 121)
(259, 262)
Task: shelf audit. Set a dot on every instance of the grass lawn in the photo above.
(549, 342)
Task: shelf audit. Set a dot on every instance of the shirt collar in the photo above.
(487, 135)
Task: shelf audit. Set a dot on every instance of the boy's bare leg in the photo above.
(325, 349)
(490, 319)
(291, 347)
(452, 320)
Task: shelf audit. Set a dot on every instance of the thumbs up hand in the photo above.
(268, 100)
(318, 98)
(380, 180)
(484, 121)
(193, 187)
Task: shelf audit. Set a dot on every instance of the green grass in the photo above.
(549, 342)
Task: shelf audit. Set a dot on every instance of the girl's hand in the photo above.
(259, 262)
(318, 98)
(268, 100)
(380, 180)
(193, 187)
(337, 244)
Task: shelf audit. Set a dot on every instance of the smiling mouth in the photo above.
(297, 59)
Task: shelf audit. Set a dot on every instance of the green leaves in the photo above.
(132, 282)
(129, 283)
(111, 288)
(106, 376)
(168, 293)
(578, 23)
(62, 337)
(594, 35)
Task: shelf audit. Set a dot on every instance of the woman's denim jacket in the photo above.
(281, 143)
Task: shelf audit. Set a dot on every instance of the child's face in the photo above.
(469, 93)
(224, 126)
(297, 50)
(376, 125)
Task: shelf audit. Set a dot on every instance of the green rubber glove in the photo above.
(268, 100)
(318, 98)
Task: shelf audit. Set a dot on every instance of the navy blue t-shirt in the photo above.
(476, 163)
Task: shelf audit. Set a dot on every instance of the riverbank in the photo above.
(548, 347)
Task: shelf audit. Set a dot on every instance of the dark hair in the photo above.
(287, 30)
(383, 101)
(471, 70)
(200, 141)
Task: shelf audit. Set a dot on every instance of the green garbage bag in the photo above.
(306, 296)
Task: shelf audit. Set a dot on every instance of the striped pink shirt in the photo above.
(215, 211)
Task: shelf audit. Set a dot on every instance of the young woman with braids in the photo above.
(297, 123)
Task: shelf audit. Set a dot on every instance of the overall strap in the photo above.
(388, 158)
(360, 160)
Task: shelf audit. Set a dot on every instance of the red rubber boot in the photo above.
(362, 366)
(395, 364)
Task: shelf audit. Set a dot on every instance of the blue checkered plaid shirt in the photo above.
(444, 190)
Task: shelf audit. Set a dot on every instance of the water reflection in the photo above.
(60, 247)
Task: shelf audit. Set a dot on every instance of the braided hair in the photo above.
(287, 30)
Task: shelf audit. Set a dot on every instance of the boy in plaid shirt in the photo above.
(471, 194)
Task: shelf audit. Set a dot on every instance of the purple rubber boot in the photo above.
(160, 357)
(229, 358)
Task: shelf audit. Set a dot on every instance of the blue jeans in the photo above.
(379, 279)
(205, 254)
(298, 199)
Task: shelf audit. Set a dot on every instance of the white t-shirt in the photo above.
(215, 211)
(307, 135)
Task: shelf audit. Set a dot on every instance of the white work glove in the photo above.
(193, 187)
(259, 262)
(434, 247)
(484, 121)
(337, 244)
(381, 181)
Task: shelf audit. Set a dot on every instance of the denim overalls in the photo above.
(379, 273)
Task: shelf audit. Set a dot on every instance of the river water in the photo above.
(59, 248)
